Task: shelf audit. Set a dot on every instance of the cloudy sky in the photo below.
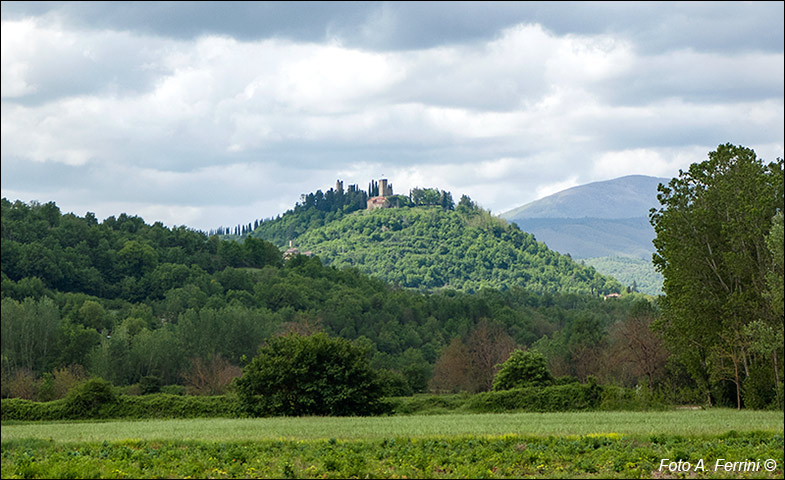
(213, 114)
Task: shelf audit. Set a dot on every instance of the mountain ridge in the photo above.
(616, 198)
(604, 223)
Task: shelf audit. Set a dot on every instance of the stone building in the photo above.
(385, 190)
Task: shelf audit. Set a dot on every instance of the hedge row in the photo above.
(158, 405)
(557, 398)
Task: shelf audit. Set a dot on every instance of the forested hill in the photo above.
(434, 245)
(605, 224)
(125, 300)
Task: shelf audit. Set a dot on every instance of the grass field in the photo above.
(546, 445)
(678, 422)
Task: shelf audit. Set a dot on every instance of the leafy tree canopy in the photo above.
(523, 369)
(310, 375)
(711, 249)
(432, 247)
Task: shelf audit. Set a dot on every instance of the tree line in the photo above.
(140, 301)
(148, 307)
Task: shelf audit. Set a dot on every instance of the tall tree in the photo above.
(635, 343)
(489, 346)
(711, 249)
(451, 372)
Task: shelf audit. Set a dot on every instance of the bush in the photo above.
(310, 375)
(394, 384)
(212, 376)
(85, 400)
(162, 405)
(425, 404)
(149, 384)
(23, 384)
(523, 369)
(757, 389)
(565, 380)
(637, 399)
(133, 390)
(28, 410)
(558, 398)
(173, 389)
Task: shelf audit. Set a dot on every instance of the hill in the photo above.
(624, 197)
(604, 223)
(593, 237)
(125, 300)
(436, 247)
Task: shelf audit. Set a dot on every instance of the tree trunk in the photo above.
(776, 378)
(738, 384)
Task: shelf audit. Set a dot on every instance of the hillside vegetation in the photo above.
(149, 307)
(430, 247)
(153, 309)
(638, 274)
(604, 223)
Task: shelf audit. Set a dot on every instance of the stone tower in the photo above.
(385, 189)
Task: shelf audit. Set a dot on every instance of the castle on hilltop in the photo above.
(378, 196)
(378, 193)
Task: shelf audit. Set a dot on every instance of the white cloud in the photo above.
(212, 127)
(643, 161)
(15, 47)
(551, 188)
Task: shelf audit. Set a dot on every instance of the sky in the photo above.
(212, 114)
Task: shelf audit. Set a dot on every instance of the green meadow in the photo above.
(517, 445)
(675, 422)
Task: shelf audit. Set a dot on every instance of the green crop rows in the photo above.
(567, 445)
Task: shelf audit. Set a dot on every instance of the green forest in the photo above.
(467, 249)
(156, 309)
(634, 272)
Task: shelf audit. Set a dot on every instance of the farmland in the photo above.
(580, 444)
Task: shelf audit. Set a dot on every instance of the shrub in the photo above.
(565, 380)
(557, 398)
(310, 375)
(85, 400)
(394, 384)
(28, 410)
(620, 398)
(149, 384)
(757, 389)
(173, 389)
(67, 378)
(430, 404)
(162, 405)
(46, 388)
(210, 377)
(523, 369)
(23, 384)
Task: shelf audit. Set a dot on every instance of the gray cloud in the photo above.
(218, 113)
(655, 26)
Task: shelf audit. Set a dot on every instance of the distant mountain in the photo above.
(625, 197)
(605, 223)
(593, 237)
